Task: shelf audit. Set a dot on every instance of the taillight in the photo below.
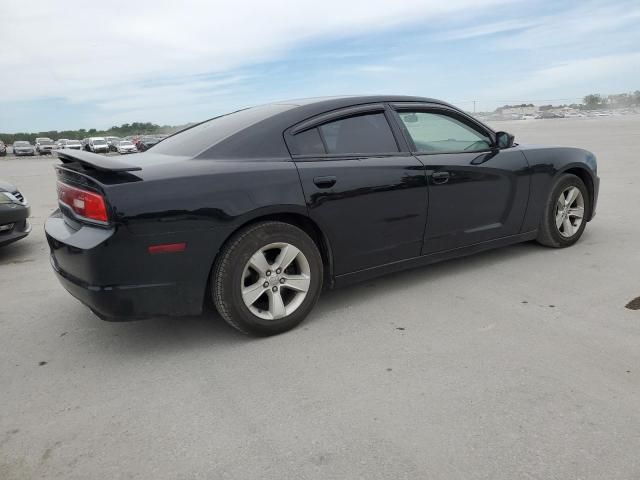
(86, 204)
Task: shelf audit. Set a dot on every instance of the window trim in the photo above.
(447, 112)
(340, 114)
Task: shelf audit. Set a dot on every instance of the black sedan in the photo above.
(259, 209)
(14, 212)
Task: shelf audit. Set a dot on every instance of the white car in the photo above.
(98, 145)
(72, 144)
(44, 146)
(125, 146)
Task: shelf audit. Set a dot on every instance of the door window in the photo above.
(438, 133)
(361, 134)
(307, 143)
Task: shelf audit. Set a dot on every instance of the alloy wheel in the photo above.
(569, 211)
(275, 281)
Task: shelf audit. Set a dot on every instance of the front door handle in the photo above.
(440, 177)
(325, 182)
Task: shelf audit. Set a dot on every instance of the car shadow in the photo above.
(209, 330)
(388, 284)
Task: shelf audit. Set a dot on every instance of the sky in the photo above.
(78, 64)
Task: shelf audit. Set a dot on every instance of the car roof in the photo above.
(262, 137)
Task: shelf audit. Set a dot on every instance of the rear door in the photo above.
(477, 192)
(367, 195)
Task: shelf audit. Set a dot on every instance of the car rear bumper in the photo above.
(112, 273)
(121, 302)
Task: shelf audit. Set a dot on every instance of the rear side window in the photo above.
(307, 143)
(361, 134)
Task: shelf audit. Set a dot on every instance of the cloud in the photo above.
(486, 29)
(50, 50)
(589, 24)
(576, 77)
(91, 64)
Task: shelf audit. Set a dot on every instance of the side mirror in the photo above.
(504, 140)
(410, 117)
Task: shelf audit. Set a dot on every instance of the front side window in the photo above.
(438, 133)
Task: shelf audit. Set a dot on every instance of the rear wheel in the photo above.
(267, 278)
(565, 213)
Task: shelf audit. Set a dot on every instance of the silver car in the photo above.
(125, 146)
(22, 147)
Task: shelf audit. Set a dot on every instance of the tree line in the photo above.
(620, 100)
(124, 130)
(594, 101)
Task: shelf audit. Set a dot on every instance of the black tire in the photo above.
(226, 276)
(548, 234)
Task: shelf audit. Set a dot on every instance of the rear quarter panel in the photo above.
(200, 202)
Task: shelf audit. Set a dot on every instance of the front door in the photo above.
(476, 191)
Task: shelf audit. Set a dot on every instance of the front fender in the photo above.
(546, 164)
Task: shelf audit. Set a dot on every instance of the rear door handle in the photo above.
(440, 177)
(325, 182)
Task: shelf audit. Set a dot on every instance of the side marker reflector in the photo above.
(167, 248)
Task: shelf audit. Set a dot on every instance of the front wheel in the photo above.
(267, 278)
(566, 213)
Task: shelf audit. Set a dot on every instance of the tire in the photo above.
(549, 233)
(233, 271)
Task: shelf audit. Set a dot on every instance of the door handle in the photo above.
(440, 177)
(325, 182)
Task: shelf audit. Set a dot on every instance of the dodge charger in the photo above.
(260, 209)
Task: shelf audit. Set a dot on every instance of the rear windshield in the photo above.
(195, 140)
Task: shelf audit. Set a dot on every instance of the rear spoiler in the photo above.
(97, 162)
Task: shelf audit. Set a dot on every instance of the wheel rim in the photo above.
(569, 211)
(275, 281)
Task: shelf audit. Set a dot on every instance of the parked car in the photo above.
(98, 145)
(61, 143)
(260, 208)
(22, 147)
(44, 146)
(73, 145)
(112, 143)
(3, 149)
(145, 143)
(14, 214)
(125, 146)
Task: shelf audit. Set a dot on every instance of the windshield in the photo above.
(126, 143)
(99, 142)
(198, 138)
(72, 142)
(46, 142)
(21, 144)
